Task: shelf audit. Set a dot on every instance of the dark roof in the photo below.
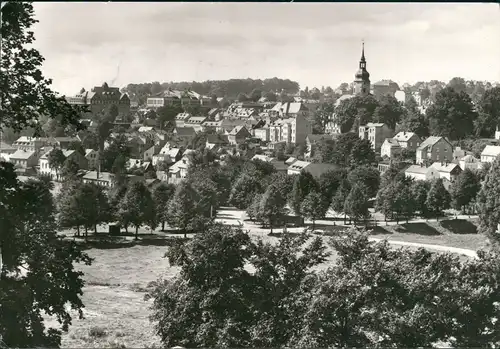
(317, 169)
(185, 131)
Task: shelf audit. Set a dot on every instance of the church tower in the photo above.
(362, 77)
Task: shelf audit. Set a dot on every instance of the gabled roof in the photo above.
(446, 167)
(404, 136)
(417, 169)
(103, 176)
(491, 150)
(290, 160)
(264, 158)
(315, 137)
(196, 120)
(68, 153)
(185, 131)
(375, 124)
(22, 155)
(89, 151)
(237, 129)
(392, 142)
(430, 141)
(469, 159)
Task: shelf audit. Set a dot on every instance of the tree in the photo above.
(356, 204)
(208, 200)
(351, 151)
(242, 97)
(488, 113)
(314, 207)
(271, 96)
(94, 206)
(489, 210)
(70, 168)
(246, 309)
(464, 189)
(243, 190)
(304, 183)
(282, 182)
(167, 114)
(38, 273)
(321, 116)
(368, 176)
(457, 84)
(118, 147)
(338, 201)
(162, 193)
(396, 200)
(389, 111)
(452, 115)
(419, 190)
(77, 146)
(272, 206)
(56, 160)
(330, 181)
(394, 172)
(348, 111)
(414, 121)
(137, 207)
(438, 198)
(182, 208)
(25, 93)
(253, 211)
(255, 95)
(69, 207)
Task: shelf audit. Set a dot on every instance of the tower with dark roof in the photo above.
(362, 77)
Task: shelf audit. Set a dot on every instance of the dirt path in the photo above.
(236, 217)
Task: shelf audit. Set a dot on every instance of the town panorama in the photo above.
(246, 212)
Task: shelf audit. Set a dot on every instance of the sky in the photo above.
(315, 44)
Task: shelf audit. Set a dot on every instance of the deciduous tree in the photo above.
(272, 206)
(56, 160)
(182, 208)
(137, 207)
(314, 207)
(162, 193)
(464, 189)
(368, 176)
(438, 198)
(489, 209)
(356, 203)
(304, 184)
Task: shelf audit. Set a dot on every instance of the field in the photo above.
(116, 314)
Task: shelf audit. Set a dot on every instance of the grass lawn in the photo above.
(116, 314)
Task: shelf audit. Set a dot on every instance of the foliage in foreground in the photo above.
(374, 295)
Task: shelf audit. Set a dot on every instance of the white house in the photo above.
(497, 133)
(448, 170)
(421, 173)
(470, 162)
(490, 153)
(390, 148)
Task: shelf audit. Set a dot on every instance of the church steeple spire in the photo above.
(363, 51)
(362, 77)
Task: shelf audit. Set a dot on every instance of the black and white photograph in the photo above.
(249, 175)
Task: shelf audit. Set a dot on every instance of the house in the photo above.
(434, 148)
(100, 98)
(408, 140)
(390, 148)
(44, 166)
(238, 135)
(6, 150)
(470, 162)
(185, 134)
(178, 171)
(458, 154)
(290, 109)
(490, 153)
(29, 143)
(376, 133)
(290, 161)
(264, 158)
(384, 87)
(181, 118)
(167, 154)
(216, 140)
(104, 179)
(23, 159)
(291, 130)
(421, 173)
(448, 170)
(262, 133)
(315, 169)
(61, 142)
(92, 157)
(195, 122)
(497, 133)
(297, 167)
(149, 153)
